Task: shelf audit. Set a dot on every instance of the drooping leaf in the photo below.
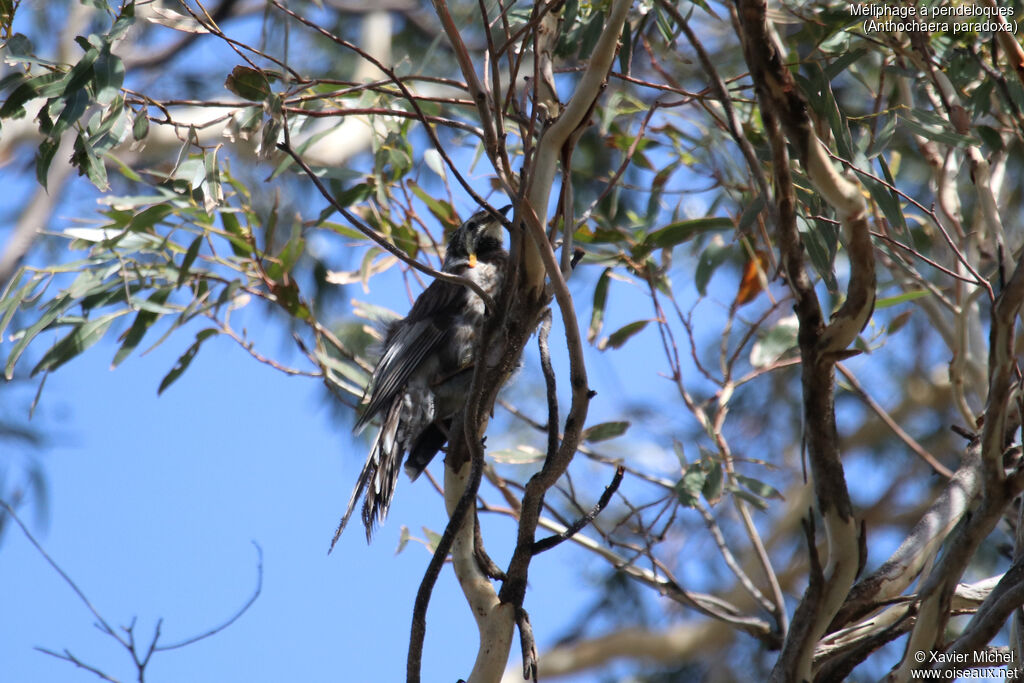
(934, 128)
(713, 256)
(600, 299)
(439, 208)
(681, 231)
(190, 257)
(626, 50)
(109, 70)
(14, 295)
(759, 488)
(248, 83)
(604, 431)
(688, 489)
(522, 454)
(901, 298)
(433, 538)
(751, 498)
(53, 311)
(357, 193)
(403, 539)
(236, 235)
(883, 137)
(898, 322)
(82, 72)
(712, 489)
(89, 164)
(186, 359)
(44, 158)
(591, 33)
(775, 342)
(144, 319)
(140, 125)
(821, 242)
(750, 282)
(620, 336)
(78, 340)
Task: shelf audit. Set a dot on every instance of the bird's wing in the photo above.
(410, 342)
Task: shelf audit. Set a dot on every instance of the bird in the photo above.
(424, 371)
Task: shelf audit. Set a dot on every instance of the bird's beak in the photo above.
(472, 260)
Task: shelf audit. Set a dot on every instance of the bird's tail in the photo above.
(378, 476)
(426, 446)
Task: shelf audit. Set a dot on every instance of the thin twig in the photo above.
(574, 528)
(380, 241)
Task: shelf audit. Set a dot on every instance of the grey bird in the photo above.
(423, 374)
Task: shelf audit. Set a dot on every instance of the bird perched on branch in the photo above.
(424, 372)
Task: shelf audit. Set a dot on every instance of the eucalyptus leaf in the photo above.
(78, 340)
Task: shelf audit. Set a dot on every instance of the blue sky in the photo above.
(155, 503)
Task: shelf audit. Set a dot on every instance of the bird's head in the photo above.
(480, 234)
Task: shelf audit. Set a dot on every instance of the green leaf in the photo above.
(82, 72)
(759, 488)
(144, 319)
(248, 83)
(14, 296)
(147, 218)
(433, 539)
(292, 252)
(622, 335)
(109, 76)
(56, 308)
(569, 36)
(89, 164)
(74, 107)
(818, 90)
(750, 214)
(17, 45)
(591, 33)
(600, 299)
(237, 236)
(403, 539)
(186, 359)
(936, 129)
(432, 158)
(190, 257)
(883, 137)
(140, 126)
(520, 455)
(688, 489)
(44, 157)
(681, 231)
(626, 50)
(901, 298)
(749, 497)
(821, 242)
(604, 431)
(441, 210)
(78, 340)
(846, 58)
(356, 193)
(14, 105)
(712, 489)
(775, 342)
(213, 191)
(713, 256)
(898, 322)
(124, 21)
(992, 138)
